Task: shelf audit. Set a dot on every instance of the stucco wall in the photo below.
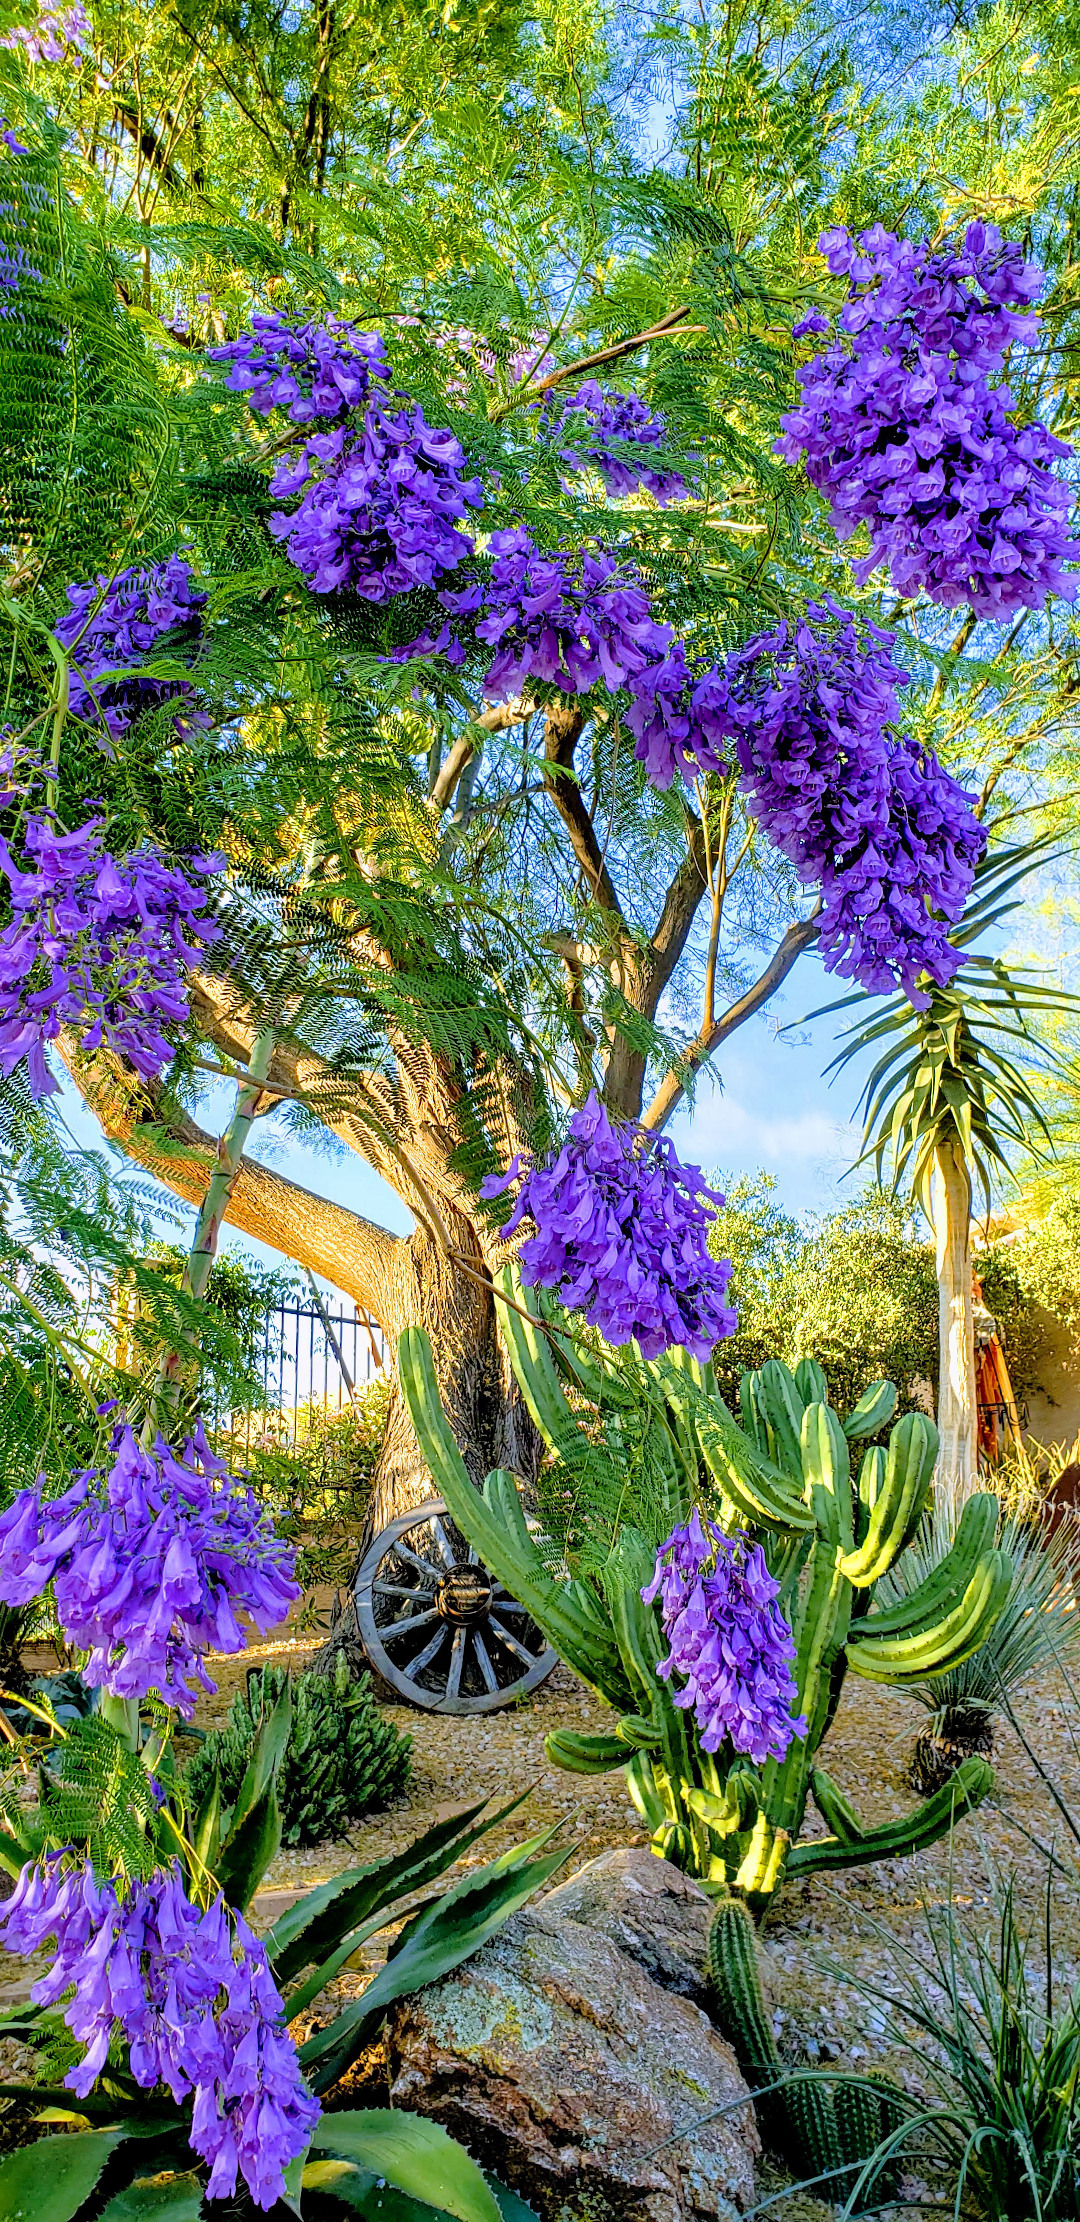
(1054, 1407)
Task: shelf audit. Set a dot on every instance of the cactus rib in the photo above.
(971, 1783)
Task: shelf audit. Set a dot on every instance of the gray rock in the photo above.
(562, 2066)
(651, 1911)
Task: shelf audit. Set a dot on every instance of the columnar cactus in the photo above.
(781, 1473)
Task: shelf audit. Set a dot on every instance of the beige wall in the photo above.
(1054, 1406)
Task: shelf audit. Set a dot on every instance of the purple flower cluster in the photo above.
(136, 610)
(729, 1639)
(380, 504)
(382, 493)
(903, 430)
(98, 944)
(193, 1997)
(309, 370)
(680, 716)
(890, 837)
(594, 416)
(566, 619)
(621, 1232)
(54, 37)
(151, 1561)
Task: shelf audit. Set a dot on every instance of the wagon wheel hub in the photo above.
(464, 1597)
(437, 1626)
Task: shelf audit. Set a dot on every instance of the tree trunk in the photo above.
(957, 1417)
(480, 1397)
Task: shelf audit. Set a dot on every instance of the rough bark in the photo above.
(481, 1399)
(957, 1416)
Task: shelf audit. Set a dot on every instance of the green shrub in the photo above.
(341, 1761)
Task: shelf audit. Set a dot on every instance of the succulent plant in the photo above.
(341, 1759)
(781, 1473)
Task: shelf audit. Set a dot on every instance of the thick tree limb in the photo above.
(562, 731)
(496, 719)
(352, 1252)
(674, 1085)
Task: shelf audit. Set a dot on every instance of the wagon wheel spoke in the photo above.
(457, 1661)
(510, 1641)
(434, 1621)
(444, 1544)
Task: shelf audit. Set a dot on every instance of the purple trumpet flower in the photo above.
(191, 1993)
(151, 1561)
(902, 428)
(381, 503)
(100, 944)
(312, 371)
(869, 816)
(54, 37)
(570, 620)
(728, 1638)
(140, 607)
(621, 1234)
(590, 419)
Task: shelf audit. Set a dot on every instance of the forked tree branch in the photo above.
(674, 1084)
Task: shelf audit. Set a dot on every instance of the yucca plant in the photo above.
(1000, 2052)
(1038, 1625)
(951, 1087)
(342, 1759)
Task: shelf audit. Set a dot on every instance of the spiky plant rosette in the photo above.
(906, 427)
(729, 1640)
(342, 1759)
(189, 1990)
(97, 943)
(151, 1559)
(621, 1233)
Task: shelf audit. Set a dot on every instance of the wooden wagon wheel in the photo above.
(437, 1626)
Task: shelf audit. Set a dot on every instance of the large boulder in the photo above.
(563, 2067)
(652, 1912)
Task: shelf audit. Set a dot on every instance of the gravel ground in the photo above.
(821, 1931)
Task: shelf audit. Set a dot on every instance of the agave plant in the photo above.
(1037, 1626)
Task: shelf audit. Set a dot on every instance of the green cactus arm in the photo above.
(536, 1372)
(810, 1382)
(645, 1794)
(971, 1783)
(642, 1649)
(826, 1469)
(836, 1811)
(947, 1642)
(510, 1554)
(874, 1409)
(781, 1408)
(909, 1465)
(585, 1755)
(945, 1586)
(759, 1491)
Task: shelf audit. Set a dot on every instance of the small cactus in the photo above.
(341, 1760)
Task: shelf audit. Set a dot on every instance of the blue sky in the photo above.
(767, 1106)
